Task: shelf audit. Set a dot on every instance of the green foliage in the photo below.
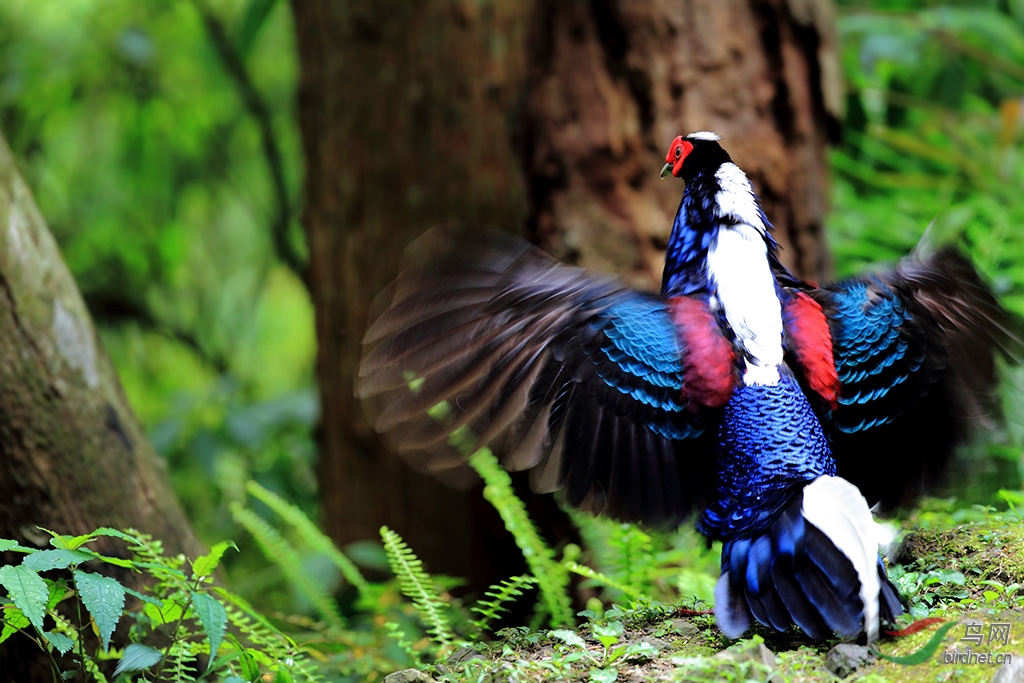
(419, 587)
(283, 554)
(311, 535)
(182, 622)
(630, 562)
(932, 145)
(104, 598)
(552, 578)
(496, 599)
(147, 157)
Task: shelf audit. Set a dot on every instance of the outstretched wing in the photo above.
(914, 354)
(593, 387)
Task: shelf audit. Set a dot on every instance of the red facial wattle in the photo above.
(677, 154)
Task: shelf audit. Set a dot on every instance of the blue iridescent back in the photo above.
(770, 443)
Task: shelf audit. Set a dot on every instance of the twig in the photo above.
(234, 65)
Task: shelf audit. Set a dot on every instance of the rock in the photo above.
(464, 654)
(750, 652)
(845, 658)
(685, 627)
(1011, 672)
(408, 676)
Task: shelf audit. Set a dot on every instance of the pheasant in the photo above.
(764, 405)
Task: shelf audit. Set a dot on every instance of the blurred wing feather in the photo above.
(914, 352)
(484, 340)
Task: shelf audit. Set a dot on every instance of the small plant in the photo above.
(179, 632)
(551, 577)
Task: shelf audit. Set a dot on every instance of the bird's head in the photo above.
(689, 154)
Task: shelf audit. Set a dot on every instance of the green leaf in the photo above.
(641, 651)
(28, 591)
(604, 675)
(148, 599)
(136, 658)
(926, 650)
(58, 589)
(570, 638)
(608, 634)
(284, 675)
(214, 619)
(61, 642)
(45, 560)
(250, 666)
(418, 586)
(280, 551)
(104, 598)
(68, 542)
(951, 576)
(14, 621)
(311, 534)
(116, 533)
(116, 561)
(7, 544)
(166, 613)
(205, 564)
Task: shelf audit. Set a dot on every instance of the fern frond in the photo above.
(396, 633)
(282, 553)
(180, 666)
(594, 575)
(313, 537)
(265, 637)
(417, 585)
(634, 555)
(552, 578)
(500, 594)
(62, 626)
(625, 554)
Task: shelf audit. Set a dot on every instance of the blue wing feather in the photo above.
(914, 351)
(570, 375)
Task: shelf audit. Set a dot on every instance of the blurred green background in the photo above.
(180, 225)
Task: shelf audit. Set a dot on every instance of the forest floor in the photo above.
(965, 622)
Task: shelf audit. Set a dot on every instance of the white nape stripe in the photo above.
(837, 508)
(735, 199)
(745, 291)
(704, 135)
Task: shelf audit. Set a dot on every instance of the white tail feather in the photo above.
(837, 508)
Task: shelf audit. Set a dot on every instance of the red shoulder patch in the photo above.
(810, 340)
(709, 362)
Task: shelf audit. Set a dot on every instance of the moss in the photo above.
(989, 549)
(985, 557)
(939, 666)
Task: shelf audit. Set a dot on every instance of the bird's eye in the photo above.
(679, 152)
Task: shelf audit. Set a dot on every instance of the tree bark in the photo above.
(404, 109)
(73, 455)
(610, 84)
(550, 117)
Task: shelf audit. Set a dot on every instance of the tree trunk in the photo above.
(611, 83)
(551, 117)
(72, 455)
(404, 109)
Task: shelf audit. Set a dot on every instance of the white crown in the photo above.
(704, 135)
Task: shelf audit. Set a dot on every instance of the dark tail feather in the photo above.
(889, 603)
(816, 565)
